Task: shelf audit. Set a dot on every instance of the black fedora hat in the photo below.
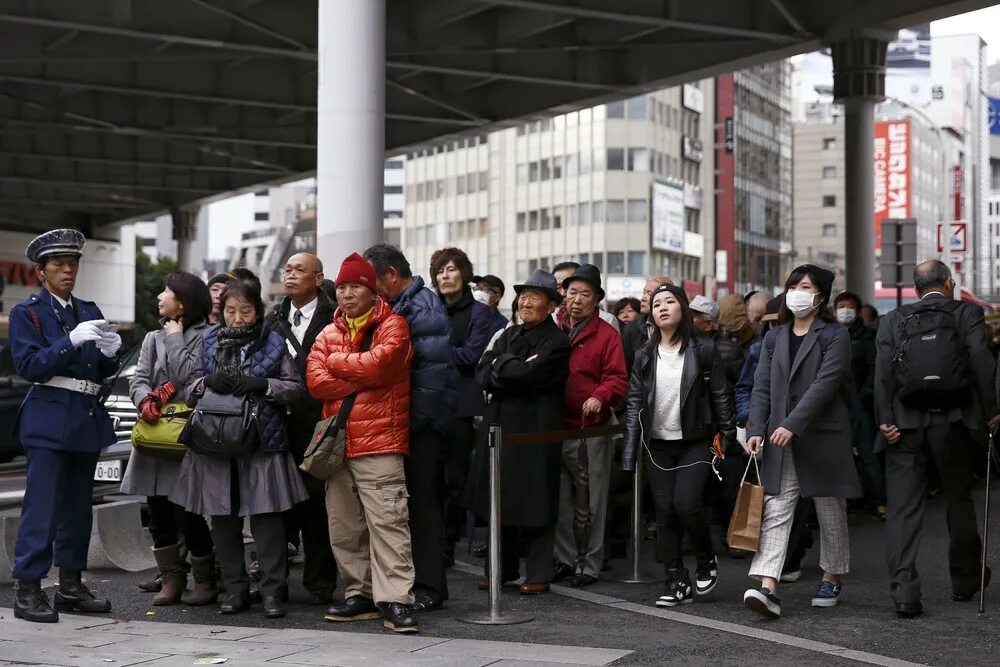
(543, 281)
(589, 274)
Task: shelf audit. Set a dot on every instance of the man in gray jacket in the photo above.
(916, 434)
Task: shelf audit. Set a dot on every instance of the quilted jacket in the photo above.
(379, 423)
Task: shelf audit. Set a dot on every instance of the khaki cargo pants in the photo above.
(366, 502)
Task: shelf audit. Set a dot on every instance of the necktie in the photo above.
(297, 318)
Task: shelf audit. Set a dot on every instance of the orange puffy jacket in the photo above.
(379, 423)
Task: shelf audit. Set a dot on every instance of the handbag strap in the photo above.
(348, 404)
(289, 335)
(753, 459)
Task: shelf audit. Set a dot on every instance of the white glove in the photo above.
(109, 344)
(84, 332)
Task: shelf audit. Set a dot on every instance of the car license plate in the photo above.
(108, 471)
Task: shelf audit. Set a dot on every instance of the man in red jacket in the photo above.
(597, 381)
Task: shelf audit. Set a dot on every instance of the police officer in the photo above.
(65, 348)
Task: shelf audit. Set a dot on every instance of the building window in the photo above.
(557, 217)
(829, 172)
(545, 171)
(484, 181)
(600, 161)
(521, 268)
(615, 212)
(392, 190)
(829, 143)
(636, 263)
(615, 109)
(598, 210)
(638, 159)
(829, 230)
(522, 173)
(584, 214)
(522, 219)
(585, 162)
(829, 201)
(616, 262)
(532, 265)
(638, 210)
(584, 258)
(598, 261)
(557, 167)
(533, 172)
(394, 215)
(546, 221)
(616, 159)
(261, 216)
(635, 108)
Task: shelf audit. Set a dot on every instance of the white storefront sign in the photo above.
(693, 197)
(692, 98)
(668, 218)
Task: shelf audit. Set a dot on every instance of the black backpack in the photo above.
(931, 363)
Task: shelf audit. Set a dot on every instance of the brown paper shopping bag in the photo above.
(744, 527)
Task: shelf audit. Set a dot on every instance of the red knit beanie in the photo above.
(356, 270)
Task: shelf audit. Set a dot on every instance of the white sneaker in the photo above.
(678, 593)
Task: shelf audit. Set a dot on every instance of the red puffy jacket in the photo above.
(379, 423)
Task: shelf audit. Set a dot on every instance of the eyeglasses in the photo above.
(284, 273)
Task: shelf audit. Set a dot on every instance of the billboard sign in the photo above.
(994, 115)
(892, 173)
(692, 98)
(668, 218)
(692, 149)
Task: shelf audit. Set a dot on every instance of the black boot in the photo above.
(356, 608)
(399, 618)
(73, 595)
(32, 604)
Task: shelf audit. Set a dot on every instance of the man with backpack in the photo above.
(934, 399)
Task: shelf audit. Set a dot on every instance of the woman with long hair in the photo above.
(169, 360)
(679, 398)
(800, 424)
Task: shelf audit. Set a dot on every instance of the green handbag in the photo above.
(160, 438)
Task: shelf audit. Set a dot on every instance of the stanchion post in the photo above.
(494, 615)
(637, 576)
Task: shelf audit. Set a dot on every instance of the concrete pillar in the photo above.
(859, 83)
(185, 230)
(350, 128)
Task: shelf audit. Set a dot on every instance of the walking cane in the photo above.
(986, 527)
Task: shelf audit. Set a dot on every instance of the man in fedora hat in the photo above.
(525, 375)
(597, 381)
(65, 348)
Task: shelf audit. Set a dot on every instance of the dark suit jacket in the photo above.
(890, 410)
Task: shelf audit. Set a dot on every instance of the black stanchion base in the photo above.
(498, 619)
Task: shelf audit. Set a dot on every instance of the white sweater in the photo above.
(667, 408)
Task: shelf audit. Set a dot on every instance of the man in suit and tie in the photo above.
(65, 348)
(916, 433)
(299, 318)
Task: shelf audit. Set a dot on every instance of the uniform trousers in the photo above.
(776, 527)
(56, 512)
(366, 501)
(599, 456)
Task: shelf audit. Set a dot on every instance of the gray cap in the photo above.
(705, 306)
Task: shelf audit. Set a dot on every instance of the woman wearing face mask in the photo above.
(848, 309)
(800, 423)
(679, 397)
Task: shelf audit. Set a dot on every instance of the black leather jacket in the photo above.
(707, 406)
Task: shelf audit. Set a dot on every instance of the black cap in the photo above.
(823, 278)
(590, 274)
(490, 279)
(543, 281)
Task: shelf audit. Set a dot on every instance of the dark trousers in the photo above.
(168, 521)
(872, 466)
(424, 469)
(55, 514)
(678, 496)
(801, 537)
(268, 532)
(540, 545)
(950, 447)
(457, 461)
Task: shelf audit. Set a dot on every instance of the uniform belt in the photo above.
(73, 384)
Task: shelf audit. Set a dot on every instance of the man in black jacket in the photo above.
(945, 434)
(299, 318)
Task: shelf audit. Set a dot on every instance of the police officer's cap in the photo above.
(55, 242)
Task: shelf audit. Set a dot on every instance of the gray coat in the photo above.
(175, 358)
(806, 396)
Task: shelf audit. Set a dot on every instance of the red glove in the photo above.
(149, 409)
(164, 393)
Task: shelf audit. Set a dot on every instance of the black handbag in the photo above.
(224, 426)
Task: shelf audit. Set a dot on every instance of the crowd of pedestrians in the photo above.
(401, 378)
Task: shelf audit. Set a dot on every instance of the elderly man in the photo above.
(525, 375)
(494, 290)
(597, 381)
(299, 318)
(366, 353)
(756, 309)
(65, 348)
(564, 270)
(635, 335)
(431, 415)
(216, 286)
(705, 314)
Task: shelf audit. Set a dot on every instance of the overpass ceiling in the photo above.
(117, 109)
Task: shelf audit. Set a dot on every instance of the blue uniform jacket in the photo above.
(50, 417)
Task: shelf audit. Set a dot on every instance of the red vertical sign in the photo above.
(725, 175)
(957, 180)
(892, 173)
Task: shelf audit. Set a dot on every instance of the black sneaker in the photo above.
(562, 572)
(32, 604)
(399, 618)
(763, 601)
(706, 576)
(678, 592)
(356, 608)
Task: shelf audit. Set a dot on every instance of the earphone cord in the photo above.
(642, 439)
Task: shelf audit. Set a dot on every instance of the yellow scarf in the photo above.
(355, 324)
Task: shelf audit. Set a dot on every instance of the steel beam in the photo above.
(790, 17)
(640, 19)
(252, 24)
(88, 185)
(435, 120)
(139, 164)
(85, 204)
(432, 100)
(520, 78)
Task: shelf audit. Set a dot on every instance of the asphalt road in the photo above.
(949, 633)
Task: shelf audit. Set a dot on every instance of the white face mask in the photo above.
(800, 303)
(481, 297)
(846, 315)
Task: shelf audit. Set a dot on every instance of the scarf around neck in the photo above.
(231, 341)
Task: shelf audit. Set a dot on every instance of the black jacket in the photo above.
(863, 363)
(634, 336)
(732, 355)
(707, 405)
